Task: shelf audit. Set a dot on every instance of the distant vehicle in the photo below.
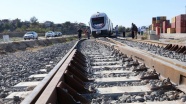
(30, 35)
(58, 34)
(100, 25)
(50, 34)
(143, 28)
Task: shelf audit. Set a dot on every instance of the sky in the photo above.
(121, 12)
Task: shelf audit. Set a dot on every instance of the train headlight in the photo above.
(98, 32)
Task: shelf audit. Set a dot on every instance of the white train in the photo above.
(100, 25)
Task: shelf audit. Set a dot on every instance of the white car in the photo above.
(30, 35)
(50, 34)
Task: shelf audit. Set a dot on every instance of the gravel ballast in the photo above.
(18, 66)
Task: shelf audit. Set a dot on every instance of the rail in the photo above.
(33, 96)
(168, 68)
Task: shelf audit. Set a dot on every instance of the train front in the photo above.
(98, 24)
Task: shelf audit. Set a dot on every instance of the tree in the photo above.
(1, 28)
(18, 23)
(128, 29)
(34, 23)
(7, 26)
(120, 28)
(33, 19)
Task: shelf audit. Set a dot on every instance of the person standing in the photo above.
(134, 31)
(142, 29)
(123, 30)
(87, 32)
(139, 30)
(116, 30)
(79, 33)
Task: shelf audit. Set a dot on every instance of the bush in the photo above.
(144, 37)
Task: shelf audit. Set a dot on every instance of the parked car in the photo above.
(58, 34)
(49, 34)
(30, 35)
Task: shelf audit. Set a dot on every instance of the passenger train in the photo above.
(100, 25)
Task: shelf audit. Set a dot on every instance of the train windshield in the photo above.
(98, 22)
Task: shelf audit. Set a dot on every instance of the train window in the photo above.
(99, 20)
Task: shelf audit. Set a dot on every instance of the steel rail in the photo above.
(34, 95)
(176, 71)
(147, 41)
(49, 90)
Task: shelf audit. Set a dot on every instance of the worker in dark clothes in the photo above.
(116, 30)
(134, 31)
(79, 33)
(123, 30)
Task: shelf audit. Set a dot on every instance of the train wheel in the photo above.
(94, 35)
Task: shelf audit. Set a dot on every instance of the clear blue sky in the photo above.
(121, 12)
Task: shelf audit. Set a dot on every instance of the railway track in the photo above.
(173, 51)
(103, 72)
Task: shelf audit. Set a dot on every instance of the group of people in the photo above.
(117, 31)
(141, 30)
(86, 32)
(134, 31)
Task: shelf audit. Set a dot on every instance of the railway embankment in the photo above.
(23, 45)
